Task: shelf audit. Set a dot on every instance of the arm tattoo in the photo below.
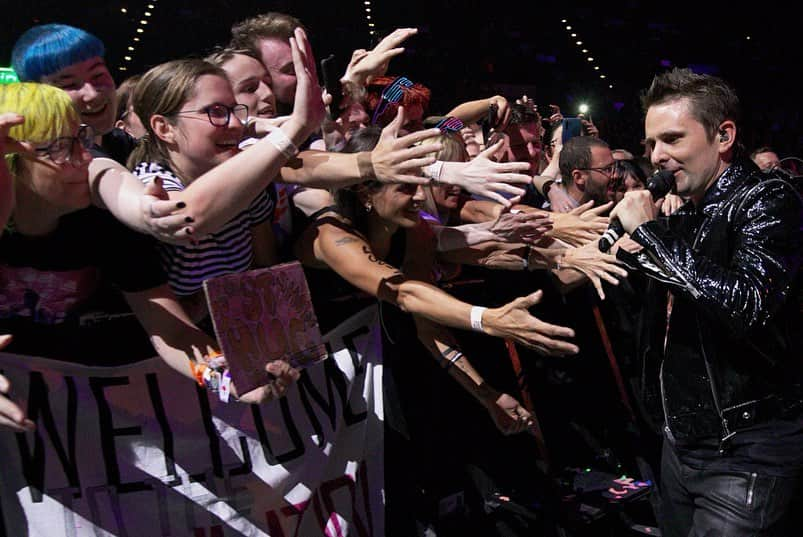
(345, 240)
(372, 258)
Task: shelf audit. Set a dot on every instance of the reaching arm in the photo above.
(180, 343)
(332, 243)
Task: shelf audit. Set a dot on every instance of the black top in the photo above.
(60, 294)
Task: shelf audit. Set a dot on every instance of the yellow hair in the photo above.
(49, 113)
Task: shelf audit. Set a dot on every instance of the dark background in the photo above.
(470, 49)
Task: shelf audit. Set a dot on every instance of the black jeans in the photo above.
(716, 503)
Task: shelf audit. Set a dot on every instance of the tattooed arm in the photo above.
(333, 243)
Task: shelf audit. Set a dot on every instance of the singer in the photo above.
(726, 330)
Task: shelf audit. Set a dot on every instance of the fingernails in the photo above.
(180, 205)
(189, 220)
(188, 230)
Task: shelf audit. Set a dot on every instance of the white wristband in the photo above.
(476, 318)
(280, 141)
(433, 171)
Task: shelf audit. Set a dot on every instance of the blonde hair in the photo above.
(452, 150)
(49, 113)
(163, 90)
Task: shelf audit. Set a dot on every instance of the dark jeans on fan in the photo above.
(724, 503)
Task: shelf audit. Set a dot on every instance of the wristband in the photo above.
(197, 371)
(280, 141)
(546, 186)
(451, 361)
(476, 318)
(433, 171)
(366, 166)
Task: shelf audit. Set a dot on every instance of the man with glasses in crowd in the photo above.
(586, 166)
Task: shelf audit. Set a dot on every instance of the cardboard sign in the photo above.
(264, 315)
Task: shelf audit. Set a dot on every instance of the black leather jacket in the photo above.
(732, 350)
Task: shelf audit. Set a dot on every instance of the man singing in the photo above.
(728, 332)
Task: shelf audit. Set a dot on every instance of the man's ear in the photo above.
(579, 179)
(726, 136)
(163, 129)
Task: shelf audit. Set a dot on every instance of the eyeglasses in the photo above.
(606, 171)
(62, 149)
(220, 114)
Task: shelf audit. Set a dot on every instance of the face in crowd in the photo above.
(207, 129)
(91, 88)
(396, 204)
(277, 58)
(252, 85)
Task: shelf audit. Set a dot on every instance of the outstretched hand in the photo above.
(396, 159)
(285, 374)
(514, 321)
(581, 225)
(508, 415)
(368, 64)
(526, 227)
(11, 415)
(594, 265)
(164, 218)
(309, 110)
(484, 177)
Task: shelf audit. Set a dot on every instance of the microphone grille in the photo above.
(661, 183)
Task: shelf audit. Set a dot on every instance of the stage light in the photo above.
(123, 10)
(579, 43)
(583, 108)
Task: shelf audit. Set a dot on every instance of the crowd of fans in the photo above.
(478, 221)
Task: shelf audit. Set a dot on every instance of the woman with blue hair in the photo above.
(71, 59)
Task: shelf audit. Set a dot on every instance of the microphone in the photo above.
(659, 185)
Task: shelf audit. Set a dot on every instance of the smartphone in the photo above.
(330, 72)
(488, 123)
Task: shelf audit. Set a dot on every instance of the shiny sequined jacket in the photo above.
(725, 338)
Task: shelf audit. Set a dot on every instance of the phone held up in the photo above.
(330, 72)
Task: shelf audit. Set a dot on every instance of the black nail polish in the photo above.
(189, 219)
(180, 205)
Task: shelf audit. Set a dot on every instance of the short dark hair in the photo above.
(272, 25)
(520, 113)
(712, 99)
(576, 155)
(762, 149)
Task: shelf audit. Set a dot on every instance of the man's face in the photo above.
(278, 59)
(599, 175)
(92, 90)
(681, 144)
(767, 160)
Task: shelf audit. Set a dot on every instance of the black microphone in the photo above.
(659, 185)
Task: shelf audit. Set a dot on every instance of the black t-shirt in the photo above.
(117, 145)
(60, 294)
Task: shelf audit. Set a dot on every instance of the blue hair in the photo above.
(48, 48)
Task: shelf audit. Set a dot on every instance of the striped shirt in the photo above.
(228, 250)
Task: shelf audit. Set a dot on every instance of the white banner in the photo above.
(142, 451)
